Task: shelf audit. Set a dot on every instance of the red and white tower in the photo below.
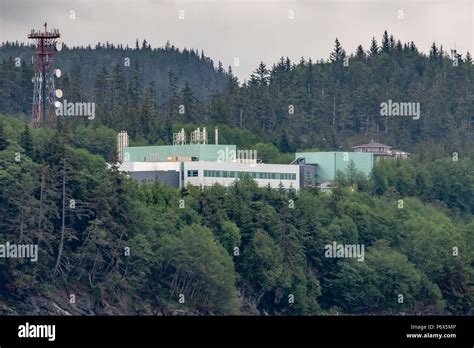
(43, 93)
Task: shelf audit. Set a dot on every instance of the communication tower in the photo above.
(43, 81)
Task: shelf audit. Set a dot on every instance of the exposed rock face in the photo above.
(62, 302)
(84, 303)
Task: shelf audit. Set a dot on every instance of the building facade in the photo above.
(203, 164)
(205, 174)
(329, 163)
(380, 150)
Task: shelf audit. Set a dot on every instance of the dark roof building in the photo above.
(380, 150)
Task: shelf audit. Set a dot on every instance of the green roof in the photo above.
(202, 152)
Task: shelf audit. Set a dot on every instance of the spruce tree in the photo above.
(374, 48)
(26, 141)
(262, 74)
(188, 101)
(360, 53)
(385, 42)
(338, 53)
(3, 137)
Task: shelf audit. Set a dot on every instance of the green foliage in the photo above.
(26, 141)
(262, 261)
(98, 140)
(150, 65)
(444, 180)
(192, 251)
(3, 138)
(375, 286)
(196, 266)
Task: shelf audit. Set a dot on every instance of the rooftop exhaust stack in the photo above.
(198, 137)
(122, 143)
(179, 138)
(204, 136)
(216, 136)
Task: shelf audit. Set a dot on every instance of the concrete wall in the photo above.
(202, 180)
(169, 178)
(171, 173)
(165, 172)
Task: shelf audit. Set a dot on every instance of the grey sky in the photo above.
(252, 31)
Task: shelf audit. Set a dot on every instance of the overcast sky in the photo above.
(252, 31)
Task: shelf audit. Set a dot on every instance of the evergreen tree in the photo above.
(148, 110)
(103, 97)
(189, 102)
(374, 48)
(3, 138)
(434, 52)
(26, 141)
(385, 42)
(338, 53)
(360, 53)
(134, 87)
(392, 43)
(232, 82)
(75, 88)
(261, 74)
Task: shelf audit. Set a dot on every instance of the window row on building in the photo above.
(254, 175)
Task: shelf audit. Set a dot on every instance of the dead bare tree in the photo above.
(63, 220)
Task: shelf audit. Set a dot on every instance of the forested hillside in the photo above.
(140, 249)
(336, 106)
(81, 67)
(124, 248)
(327, 104)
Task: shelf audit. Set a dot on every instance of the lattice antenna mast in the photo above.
(43, 81)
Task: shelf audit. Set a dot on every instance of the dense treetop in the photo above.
(328, 104)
